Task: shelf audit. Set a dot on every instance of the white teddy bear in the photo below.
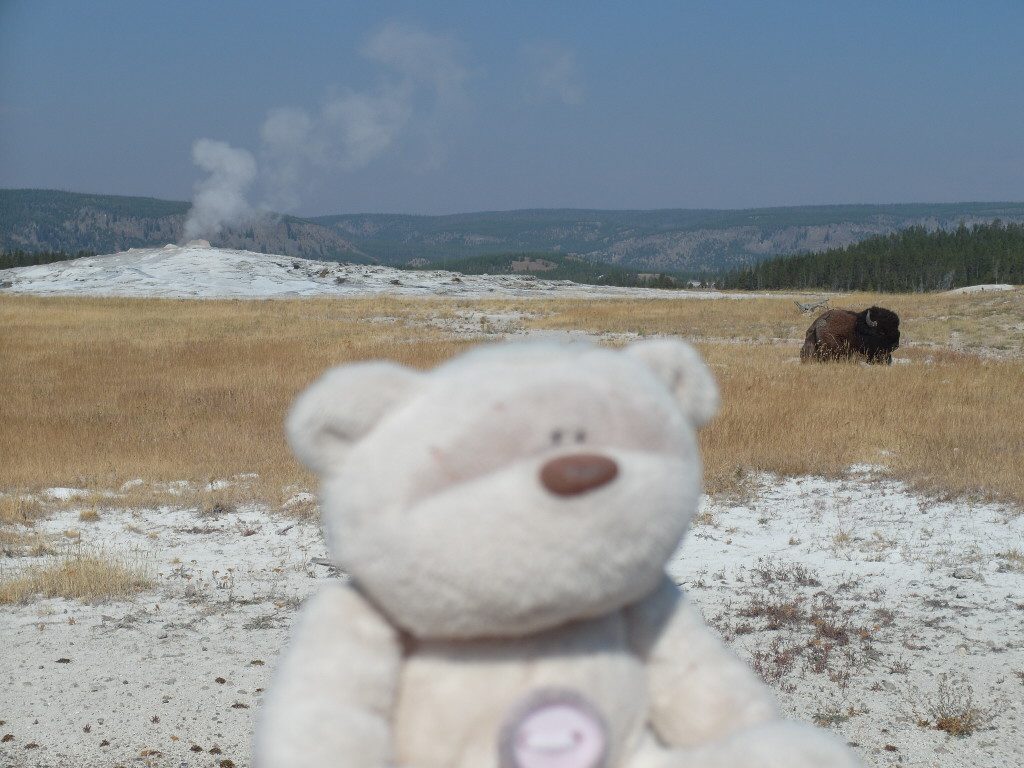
(506, 520)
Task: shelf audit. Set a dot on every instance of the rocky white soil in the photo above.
(858, 600)
(199, 271)
(983, 288)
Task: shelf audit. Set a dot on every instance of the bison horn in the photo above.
(869, 321)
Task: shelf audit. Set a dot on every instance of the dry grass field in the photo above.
(946, 420)
(102, 391)
(99, 392)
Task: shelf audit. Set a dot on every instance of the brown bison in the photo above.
(841, 334)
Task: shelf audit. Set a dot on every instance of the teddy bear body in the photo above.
(506, 520)
(440, 678)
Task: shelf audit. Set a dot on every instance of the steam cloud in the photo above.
(422, 84)
(219, 200)
(554, 74)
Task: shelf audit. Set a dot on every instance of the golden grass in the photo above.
(992, 321)
(18, 508)
(85, 576)
(950, 426)
(946, 422)
(103, 391)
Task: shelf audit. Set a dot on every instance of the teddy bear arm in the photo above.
(332, 699)
(699, 690)
(776, 744)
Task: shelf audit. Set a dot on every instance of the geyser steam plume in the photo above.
(420, 89)
(219, 200)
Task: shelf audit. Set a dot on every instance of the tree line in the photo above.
(555, 266)
(10, 259)
(913, 259)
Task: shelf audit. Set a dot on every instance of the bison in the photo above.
(841, 334)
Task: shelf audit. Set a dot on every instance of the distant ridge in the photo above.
(50, 220)
(669, 240)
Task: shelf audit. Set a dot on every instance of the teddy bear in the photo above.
(505, 521)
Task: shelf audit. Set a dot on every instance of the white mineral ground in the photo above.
(913, 588)
(198, 271)
(983, 288)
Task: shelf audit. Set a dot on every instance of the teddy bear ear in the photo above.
(342, 406)
(686, 375)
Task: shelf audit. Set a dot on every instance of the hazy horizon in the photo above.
(315, 215)
(341, 108)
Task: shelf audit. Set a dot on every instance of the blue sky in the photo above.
(405, 107)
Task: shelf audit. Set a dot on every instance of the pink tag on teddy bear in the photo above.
(554, 728)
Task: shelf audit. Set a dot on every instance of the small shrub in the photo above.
(777, 613)
(775, 662)
(899, 667)
(953, 708)
(770, 571)
(216, 508)
(842, 538)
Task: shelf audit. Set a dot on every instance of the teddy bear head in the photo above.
(513, 489)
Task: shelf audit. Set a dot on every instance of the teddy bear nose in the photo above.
(570, 475)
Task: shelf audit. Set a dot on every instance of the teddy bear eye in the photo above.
(556, 436)
(581, 436)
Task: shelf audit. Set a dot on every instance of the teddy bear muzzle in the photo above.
(577, 473)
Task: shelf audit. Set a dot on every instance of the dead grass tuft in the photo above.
(777, 612)
(20, 509)
(834, 715)
(776, 662)
(78, 575)
(793, 627)
(15, 542)
(953, 708)
(769, 571)
(1012, 560)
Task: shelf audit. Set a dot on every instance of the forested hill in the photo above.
(554, 266)
(50, 221)
(670, 240)
(655, 241)
(912, 260)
